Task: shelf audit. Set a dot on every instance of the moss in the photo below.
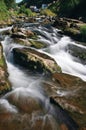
(47, 12)
(74, 31)
(37, 44)
(5, 87)
(83, 32)
(4, 83)
(1, 62)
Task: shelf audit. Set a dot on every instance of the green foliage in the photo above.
(26, 11)
(10, 3)
(54, 7)
(47, 12)
(83, 32)
(3, 11)
(67, 6)
(2, 6)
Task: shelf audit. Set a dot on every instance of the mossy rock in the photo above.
(21, 41)
(37, 44)
(4, 83)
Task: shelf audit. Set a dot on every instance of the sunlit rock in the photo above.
(4, 84)
(21, 33)
(35, 60)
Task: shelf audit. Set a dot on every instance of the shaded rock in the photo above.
(73, 32)
(60, 23)
(18, 35)
(4, 83)
(18, 32)
(78, 52)
(35, 60)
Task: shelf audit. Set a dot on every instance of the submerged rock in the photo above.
(35, 60)
(4, 83)
(25, 102)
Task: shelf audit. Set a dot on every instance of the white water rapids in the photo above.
(65, 60)
(58, 49)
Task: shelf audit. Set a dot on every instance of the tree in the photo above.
(10, 3)
(67, 6)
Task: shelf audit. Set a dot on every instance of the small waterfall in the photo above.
(59, 50)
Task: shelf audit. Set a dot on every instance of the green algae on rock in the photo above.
(37, 44)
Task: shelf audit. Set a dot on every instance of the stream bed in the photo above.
(27, 106)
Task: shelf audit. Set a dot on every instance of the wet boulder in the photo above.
(35, 61)
(78, 52)
(22, 41)
(70, 27)
(18, 32)
(70, 93)
(18, 35)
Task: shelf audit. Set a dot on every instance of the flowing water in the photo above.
(27, 85)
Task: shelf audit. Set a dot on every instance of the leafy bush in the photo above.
(25, 11)
(3, 11)
(54, 7)
(67, 6)
(10, 4)
(83, 32)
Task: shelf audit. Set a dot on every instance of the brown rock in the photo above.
(71, 96)
(63, 127)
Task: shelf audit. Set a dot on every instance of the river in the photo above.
(20, 109)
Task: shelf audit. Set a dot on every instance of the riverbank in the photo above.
(72, 27)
